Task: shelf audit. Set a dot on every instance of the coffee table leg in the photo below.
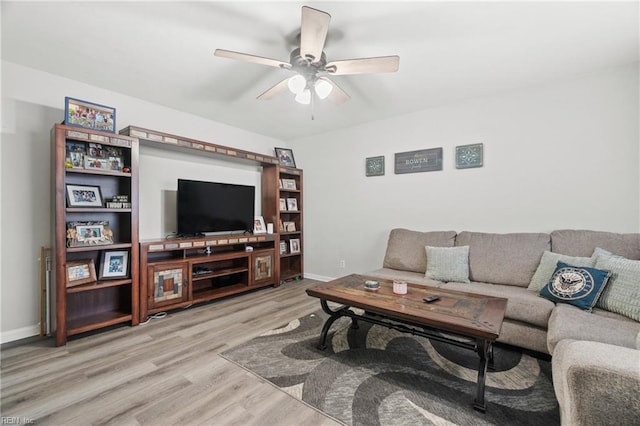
(483, 352)
(333, 316)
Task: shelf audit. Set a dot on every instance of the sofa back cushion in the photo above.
(509, 259)
(574, 242)
(406, 249)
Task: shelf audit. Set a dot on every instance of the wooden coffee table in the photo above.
(467, 320)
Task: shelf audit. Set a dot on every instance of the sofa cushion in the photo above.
(509, 259)
(576, 285)
(410, 277)
(582, 243)
(570, 322)
(548, 265)
(405, 248)
(448, 263)
(622, 295)
(523, 306)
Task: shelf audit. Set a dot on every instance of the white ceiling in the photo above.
(163, 52)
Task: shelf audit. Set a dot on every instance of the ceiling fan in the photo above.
(309, 63)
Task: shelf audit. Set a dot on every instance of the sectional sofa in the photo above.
(595, 353)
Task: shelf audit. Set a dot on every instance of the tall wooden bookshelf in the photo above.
(96, 241)
(282, 204)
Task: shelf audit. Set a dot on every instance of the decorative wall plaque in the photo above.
(424, 160)
(375, 166)
(468, 156)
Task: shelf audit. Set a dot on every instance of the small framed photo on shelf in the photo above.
(114, 264)
(88, 115)
(289, 227)
(80, 272)
(75, 155)
(95, 233)
(289, 184)
(259, 226)
(285, 156)
(95, 163)
(280, 184)
(294, 245)
(292, 204)
(83, 196)
(283, 247)
(283, 205)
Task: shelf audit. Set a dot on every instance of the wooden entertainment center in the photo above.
(161, 274)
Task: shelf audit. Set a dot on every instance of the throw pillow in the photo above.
(548, 265)
(622, 295)
(448, 264)
(578, 286)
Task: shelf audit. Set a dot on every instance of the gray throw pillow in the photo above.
(622, 294)
(548, 265)
(448, 264)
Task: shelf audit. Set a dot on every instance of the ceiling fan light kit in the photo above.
(309, 63)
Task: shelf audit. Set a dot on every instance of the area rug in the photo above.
(377, 376)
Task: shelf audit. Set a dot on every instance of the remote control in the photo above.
(431, 299)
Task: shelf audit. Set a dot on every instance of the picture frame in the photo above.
(78, 272)
(294, 245)
(375, 166)
(283, 205)
(469, 156)
(75, 155)
(89, 115)
(422, 160)
(114, 265)
(285, 157)
(84, 196)
(292, 204)
(289, 227)
(289, 184)
(259, 226)
(95, 233)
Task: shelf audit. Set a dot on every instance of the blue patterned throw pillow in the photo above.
(576, 285)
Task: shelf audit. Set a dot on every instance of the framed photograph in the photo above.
(375, 166)
(283, 205)
(283, 247)
(292, 204)
(259, 226)
(289, 184)
(294, 245)
(88, 115)
(83, 196)
(95, 163)
(80, 272)
(114, 264)
(285, 156)
(280, 184)
(289, 227)
(89, 234)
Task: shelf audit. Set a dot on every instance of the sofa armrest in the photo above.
(596, 383)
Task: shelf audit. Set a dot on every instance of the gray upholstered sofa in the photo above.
(595, 355)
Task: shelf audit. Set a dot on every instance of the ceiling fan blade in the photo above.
(313, 32)
(364, 65)
(275, 90)
(337, 95)
(251, 58)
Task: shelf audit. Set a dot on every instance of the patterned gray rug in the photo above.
(377, 376)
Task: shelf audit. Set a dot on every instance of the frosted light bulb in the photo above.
(304, 97)
(323, 89)
(297, 83)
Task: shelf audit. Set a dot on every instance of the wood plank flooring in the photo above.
(165, 372)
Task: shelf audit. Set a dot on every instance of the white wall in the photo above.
(32, 101)
(562, 155)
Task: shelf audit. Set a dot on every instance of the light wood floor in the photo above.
(165, 372)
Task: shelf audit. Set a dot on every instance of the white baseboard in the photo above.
(318, 277)
(20, 333)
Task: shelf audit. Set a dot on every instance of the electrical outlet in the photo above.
(342, 263)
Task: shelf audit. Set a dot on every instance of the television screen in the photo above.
(212, 207)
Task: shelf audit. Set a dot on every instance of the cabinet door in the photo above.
(167, 284)
(263, 267)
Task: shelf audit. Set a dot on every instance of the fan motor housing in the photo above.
(308, 66)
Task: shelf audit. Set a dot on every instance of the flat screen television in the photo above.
(212, 207)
